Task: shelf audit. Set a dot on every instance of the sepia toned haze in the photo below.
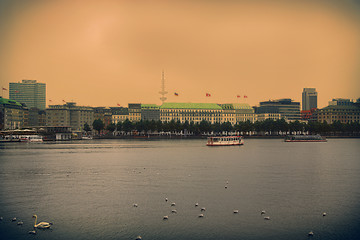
(104, 53)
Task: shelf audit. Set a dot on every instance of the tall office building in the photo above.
(309, 99)
(30, 92)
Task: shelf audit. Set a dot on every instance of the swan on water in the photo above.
(1, 218)
(166, 217)
(324, 214)
(201, 215)
(14, 219)
(173, 204)
(203, 209)
(138, 238)
(32, 232)
(267, 218)
(236, 211)
(135, 205)
(166, 199)
(196, 204)
(20, 223)
(41, 224)
(262, 212)
(174, 211)
(310, 234)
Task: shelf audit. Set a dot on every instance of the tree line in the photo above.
(267, 127)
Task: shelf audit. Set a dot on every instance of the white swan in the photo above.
(166, 217)
(267, 218)
(41, 224)
(236, 211)
(201, 215)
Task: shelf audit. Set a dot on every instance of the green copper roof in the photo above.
(10, 102)
(212, 106)
(241, 106)
(227, 106)
(150, 106)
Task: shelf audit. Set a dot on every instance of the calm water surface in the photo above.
(87, 189)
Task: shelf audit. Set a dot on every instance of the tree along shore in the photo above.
(267, 128)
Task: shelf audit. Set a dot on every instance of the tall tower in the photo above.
(309, 99)
(163, 92)
(30, 92)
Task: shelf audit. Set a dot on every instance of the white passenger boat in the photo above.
(225, 141)
(31, 138)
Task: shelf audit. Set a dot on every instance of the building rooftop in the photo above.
(212, 106)
(9, 102)
(150, 106)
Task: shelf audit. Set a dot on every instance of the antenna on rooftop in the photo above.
(163, 92)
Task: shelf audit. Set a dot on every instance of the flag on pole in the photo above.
(4, 89)
(238, 96)
(245, 96)
(176, 94)
(208, 94)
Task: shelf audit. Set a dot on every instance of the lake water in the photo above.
(87, 189)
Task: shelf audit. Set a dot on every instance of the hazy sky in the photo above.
(103, 52)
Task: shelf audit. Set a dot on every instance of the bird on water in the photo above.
(42, 225)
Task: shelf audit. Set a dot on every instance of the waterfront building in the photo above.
(12, 114)
(343, 110)
(191, 112)
(309, 99)
(30, 92)
(134, 112)
(104, 114)
(69, 115)
(288, 109)
(244, 112)
(150, 112)
(119, 114)
(263, 116)
(228, 113)
(37, 117)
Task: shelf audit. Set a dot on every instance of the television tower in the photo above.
(163, 92)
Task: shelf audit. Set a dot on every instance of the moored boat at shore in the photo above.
(31, 138)
(225, 141)
(305, 138)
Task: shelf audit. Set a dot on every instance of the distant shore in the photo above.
(201, 137)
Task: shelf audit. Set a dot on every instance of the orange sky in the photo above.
(100, 53)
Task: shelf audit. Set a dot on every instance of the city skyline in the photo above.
(104, 54)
